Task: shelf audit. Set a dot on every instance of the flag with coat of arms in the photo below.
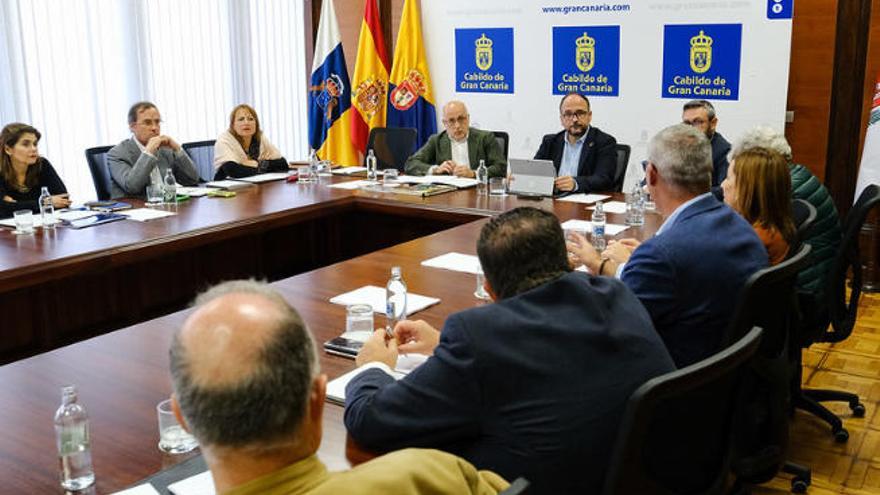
(370, 79)
(869, 169)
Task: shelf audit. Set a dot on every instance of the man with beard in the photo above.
(585, 157)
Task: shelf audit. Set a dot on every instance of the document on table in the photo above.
(585, 226)
(375, 297)
(200, 484)
(355, 184)
(459, 182)
(347, 170)
(267, 177)
(67, 215)
(229, 184)
(194, 192)
(146, 214)
(145, 489)
(457, 262)
(405, 364)
(612, 207)
(584, 198)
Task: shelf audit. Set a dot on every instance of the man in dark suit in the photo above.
(459, 149)
(533, 385)
(701, 114)
(144, 159)
(689, 275)
(585, 157)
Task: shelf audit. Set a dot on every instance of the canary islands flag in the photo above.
(410, 99)
(330, 95)
(370, 81)
(869, 170)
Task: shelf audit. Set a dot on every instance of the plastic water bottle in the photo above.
(395, 300)
(372, 174)
(47, 209)
(635, 207)
(482, 178)
(598, 223)
(170, 187)
(72, 439)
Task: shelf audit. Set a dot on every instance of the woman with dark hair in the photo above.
(243, 150)
(758, 187)
(23, 172)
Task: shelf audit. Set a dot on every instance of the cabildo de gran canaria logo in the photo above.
(701, 53)
(483, 52)
(585, 55)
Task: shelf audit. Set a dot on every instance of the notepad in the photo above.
(145, 489)
(355, 184)
(146, 214)
(229, 184)
(194, 192)
(459, 182)
(585, 226)
(457, 262)
(584, 198)
(375, 297)
(405, 364)
(612, 207)
(200, 484)
(267, 177)
(347, 170)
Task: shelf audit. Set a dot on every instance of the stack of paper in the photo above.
(200, 484)
(348, 170)
(355, 184)
(611, 229)
(229, 184)
(146, 214)
(375, 297)
(612, 207)
(459, 182)
(405, 364)
(456, 262)
(268, 177)
(193, 192)
(584, 198)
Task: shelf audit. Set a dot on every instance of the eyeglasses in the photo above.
(695, 122)
(580, 114)
(460, 120)
(150, 122)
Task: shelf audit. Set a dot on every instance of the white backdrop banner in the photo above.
(638, 61)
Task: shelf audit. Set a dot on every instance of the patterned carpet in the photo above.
(853, 365)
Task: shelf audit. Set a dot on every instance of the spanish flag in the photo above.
(370, 82)
(410, 99)
(330, 95)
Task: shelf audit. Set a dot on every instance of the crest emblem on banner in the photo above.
(586, 53)
(701, 53)
(328, 98)
(369, 94)
(483, 52)
(408, 91)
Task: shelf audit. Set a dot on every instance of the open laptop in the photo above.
(532, 177)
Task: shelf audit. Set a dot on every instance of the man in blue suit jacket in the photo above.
(690, 274)
(533, 385)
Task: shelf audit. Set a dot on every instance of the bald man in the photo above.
(247, 385)
(459, 149)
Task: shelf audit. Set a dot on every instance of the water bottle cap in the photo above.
(370, 152)
(395, 271)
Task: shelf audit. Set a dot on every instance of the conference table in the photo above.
(123, 374)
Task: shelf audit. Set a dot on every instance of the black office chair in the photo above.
(675, 435)
(202, 155)
(804, 215)
(768, 300)
(503, 140)
(623, 151)
(392, 146)
(97, 160)
(838, 312)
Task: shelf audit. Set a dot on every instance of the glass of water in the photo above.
(304, 174)
(480, 292)
(155, 195)
(24, 221)
(173, 439)
(389, 176)
(359, 318)
(497, 187)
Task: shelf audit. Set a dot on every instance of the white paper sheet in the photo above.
(405, 364)
(200, 484)
(145, 489)
(355, 184)
(584, 198)
(229, 184)
(348, 170)
(146, 214)
(612, 207)
(611, 229)
(71, 215)
(457, 262)
(459, 182)
(268, 177)
(375, 297)
(194, 192)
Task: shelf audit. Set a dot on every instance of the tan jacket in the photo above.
(228, 149)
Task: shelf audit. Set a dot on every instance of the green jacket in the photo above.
(824, 237)
(481, 146)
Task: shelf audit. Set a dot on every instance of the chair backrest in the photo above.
(202, 154)
(843, 311)
(97, 160)
(804, 215)
(392, 146)
(503, 140)
(623, 151)
(675, 434)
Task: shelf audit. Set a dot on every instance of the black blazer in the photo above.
(598, 160)
(533, 385)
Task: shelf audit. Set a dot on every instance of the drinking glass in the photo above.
(480, 291)
(304, 174)
(173, 439)
(24, 221)
(155, 195)
(497, 187)
(389, 176)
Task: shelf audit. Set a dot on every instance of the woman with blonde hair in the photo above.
(243, 150)
(758, 187)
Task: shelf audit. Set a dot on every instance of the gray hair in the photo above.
(265, 409)
(762, 137)
(683, 156)
(710, 109)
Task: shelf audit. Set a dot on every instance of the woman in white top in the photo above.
(243, 150)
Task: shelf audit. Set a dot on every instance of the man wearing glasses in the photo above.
(701, 114)
(459, 149)
(144, 159)
(585, 157)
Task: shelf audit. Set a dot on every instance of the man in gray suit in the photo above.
(459, 149)
(145, 158)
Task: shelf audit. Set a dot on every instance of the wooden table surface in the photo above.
(123, 375)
